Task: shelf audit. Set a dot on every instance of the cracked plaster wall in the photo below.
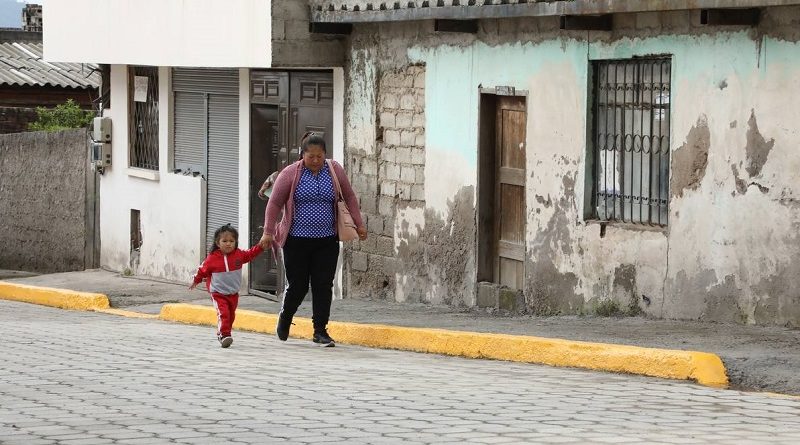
(730, 252)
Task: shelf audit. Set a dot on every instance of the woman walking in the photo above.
(306, 194)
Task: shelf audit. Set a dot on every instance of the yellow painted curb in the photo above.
(48, 296)
(704, 368)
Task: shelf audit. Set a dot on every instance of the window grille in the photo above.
(143, 117)
(631, 121)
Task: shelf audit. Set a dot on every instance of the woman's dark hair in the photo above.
(218, 233)
(311, 138)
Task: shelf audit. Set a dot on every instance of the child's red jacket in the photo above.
(223, 273)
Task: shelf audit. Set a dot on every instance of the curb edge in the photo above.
(702, 367)
(49, 296)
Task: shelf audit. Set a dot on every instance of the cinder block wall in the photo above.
(43, 200)
(292, 43)
(392, 174)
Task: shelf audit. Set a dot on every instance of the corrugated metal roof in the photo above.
(21, 63)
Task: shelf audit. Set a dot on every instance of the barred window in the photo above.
(630, 146)
(143, 116)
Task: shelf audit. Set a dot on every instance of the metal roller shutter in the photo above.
(223, 163)
(207, 137)
(206, 80)
(190, 132)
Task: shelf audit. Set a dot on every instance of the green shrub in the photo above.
(62, 117)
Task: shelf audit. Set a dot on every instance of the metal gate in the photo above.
(283, 106)
(207, 138)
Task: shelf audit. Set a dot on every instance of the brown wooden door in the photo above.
(510, 191)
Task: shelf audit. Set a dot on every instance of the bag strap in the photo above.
(335, 179)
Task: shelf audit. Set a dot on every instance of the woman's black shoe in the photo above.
(282, 329)
(322, 338)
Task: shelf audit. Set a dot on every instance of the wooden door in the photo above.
(510, 191)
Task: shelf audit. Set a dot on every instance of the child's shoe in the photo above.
(226, 341)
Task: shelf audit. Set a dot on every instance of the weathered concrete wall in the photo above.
(733, 115)
(390, 180)
(292, 43)
(42, 200)
(419, 210)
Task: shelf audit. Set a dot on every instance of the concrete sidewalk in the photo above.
(756, 358)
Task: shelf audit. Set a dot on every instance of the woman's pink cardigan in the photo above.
(282, 198)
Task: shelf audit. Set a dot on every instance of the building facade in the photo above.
(561, 157)
(534, 158)
(203, 109)
(32, 18)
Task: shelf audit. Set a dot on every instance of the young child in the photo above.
(222, 270)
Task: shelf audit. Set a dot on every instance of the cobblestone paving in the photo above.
(84, 378)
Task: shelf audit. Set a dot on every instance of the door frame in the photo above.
(485, 244)
(284, 104)
(255, 178)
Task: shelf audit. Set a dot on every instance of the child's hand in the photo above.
(266, 241)
(193, 285)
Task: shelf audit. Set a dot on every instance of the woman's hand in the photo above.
(194, 285)
(362, 233)
(266, 241)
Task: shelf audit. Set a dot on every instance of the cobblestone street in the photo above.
(85, 378)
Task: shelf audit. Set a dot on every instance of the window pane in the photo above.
(631, 140)
(143, 116)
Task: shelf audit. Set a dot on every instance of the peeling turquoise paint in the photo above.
(781, 52)
(453, 74)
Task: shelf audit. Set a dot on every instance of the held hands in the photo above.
(266, 241)
(362, 233)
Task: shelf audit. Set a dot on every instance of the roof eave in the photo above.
(534, 9)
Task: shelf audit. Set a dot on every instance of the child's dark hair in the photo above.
(218, 233)
(311, 138)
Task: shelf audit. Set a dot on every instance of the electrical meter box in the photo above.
(101, 154)
(101, 129)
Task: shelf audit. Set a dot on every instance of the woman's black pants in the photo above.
(310, 260)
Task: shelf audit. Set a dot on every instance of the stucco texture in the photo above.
(730, 249)
(171, 205)
(43, 200)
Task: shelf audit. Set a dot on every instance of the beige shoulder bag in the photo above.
(345, 226)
